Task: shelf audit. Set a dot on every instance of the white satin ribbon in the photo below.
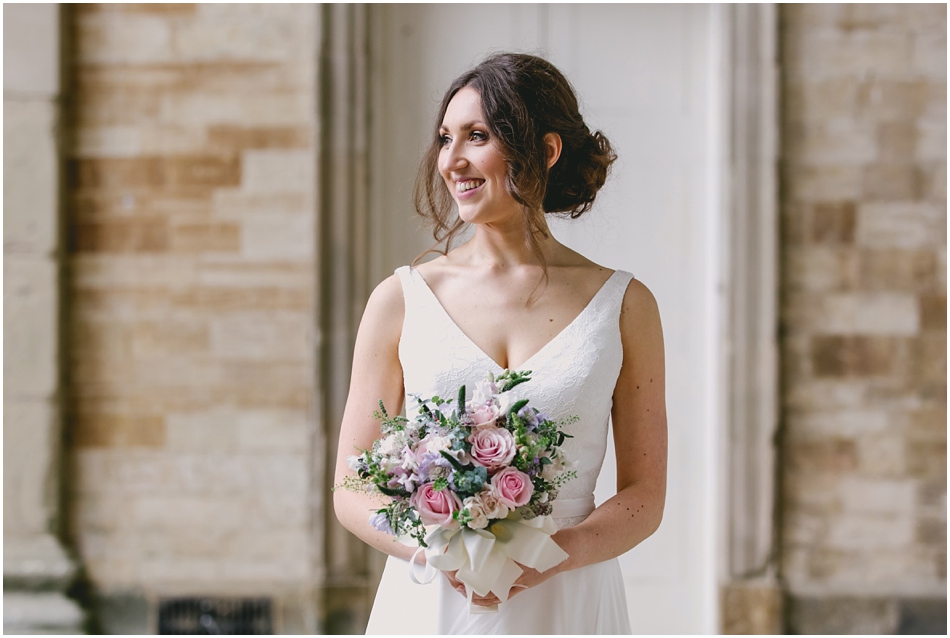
(486, 558)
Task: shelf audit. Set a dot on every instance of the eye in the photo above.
(478, 136)
(444, 140)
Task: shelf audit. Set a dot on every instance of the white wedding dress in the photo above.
(573, 374)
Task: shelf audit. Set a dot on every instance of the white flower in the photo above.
(483, 394)
(409, 460)
(436, 444)
(413, 427)
(560, 463)
(392, 443)
(550, 472)
(504, 402)
(387, 464)
(494, 508)
(353, 462)
(478, 517)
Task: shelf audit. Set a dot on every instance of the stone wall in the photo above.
(192, 252)
(864, 317)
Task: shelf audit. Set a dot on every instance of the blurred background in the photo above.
(199, 198)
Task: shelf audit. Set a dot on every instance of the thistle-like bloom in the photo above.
(381, 522)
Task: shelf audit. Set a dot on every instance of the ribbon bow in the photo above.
(486, 558)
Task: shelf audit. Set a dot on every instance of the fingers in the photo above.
(483, 601)
(486, 601)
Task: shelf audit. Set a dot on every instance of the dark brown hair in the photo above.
(524, 97)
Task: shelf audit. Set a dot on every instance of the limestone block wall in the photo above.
(864, 314)
(191, 234)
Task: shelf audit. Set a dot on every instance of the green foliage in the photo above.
(394, 492)
(471, 481)
(455, 463)
(516, 407)
(510, 379)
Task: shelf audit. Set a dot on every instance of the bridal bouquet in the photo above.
(473, 483)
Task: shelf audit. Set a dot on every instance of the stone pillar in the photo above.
(344, 282)
(36, 568)
(751, 597)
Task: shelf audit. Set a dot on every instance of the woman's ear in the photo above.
(553, 143)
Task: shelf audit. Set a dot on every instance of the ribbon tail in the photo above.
(509, 574)
(426, 576)
(485, 562)
(448, 556)
(532, 545)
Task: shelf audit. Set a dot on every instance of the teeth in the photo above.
(467, 185)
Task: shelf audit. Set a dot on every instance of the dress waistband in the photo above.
(573, 507)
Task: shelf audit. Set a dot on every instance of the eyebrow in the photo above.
(467, 126)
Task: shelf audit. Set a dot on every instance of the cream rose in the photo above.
(478, 517)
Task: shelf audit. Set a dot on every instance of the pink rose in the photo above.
(492, 447)
(485, 415)
(436, 508)
(512, 487)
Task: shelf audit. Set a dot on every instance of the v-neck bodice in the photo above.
(526, 365)
(574, 374)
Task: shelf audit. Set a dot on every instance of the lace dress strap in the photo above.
(419, 310)
(610, 303)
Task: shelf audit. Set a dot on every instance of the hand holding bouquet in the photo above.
(472, 483)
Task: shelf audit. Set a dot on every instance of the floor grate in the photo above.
(215, 616)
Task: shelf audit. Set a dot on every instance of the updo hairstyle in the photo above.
(523, 97)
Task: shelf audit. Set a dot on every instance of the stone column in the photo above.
(751, 597)
(36, 568)
(344, 283)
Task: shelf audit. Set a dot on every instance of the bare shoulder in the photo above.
(387, 295)
(385, 309)
(640, 314)
(638, 299)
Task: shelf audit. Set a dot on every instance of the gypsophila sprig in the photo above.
(464, 463)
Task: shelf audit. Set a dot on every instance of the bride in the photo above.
(510, 147)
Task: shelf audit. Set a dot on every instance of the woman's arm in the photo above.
(377, 374)
(640, 439)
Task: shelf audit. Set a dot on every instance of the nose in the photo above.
(453, 157)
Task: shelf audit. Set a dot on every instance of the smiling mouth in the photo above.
(468, 185)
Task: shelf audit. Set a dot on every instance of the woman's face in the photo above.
(471, 164)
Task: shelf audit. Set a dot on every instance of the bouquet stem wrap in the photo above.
(486, 558)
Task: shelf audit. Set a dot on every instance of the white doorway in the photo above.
(649, 77)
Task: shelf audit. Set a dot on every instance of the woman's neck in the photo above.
(501, 248)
